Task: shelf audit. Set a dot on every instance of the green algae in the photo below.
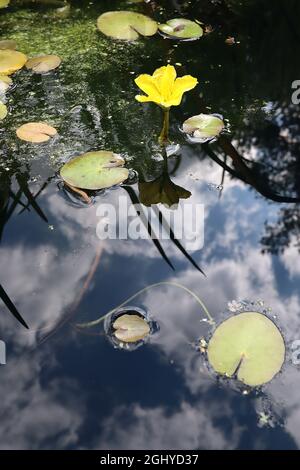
(85, 99)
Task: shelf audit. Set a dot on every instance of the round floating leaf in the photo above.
(8, 44)
(131, 328)
(126, 25)
(203, 127)
(11, 61)
(249, 345)
(36, 132)
(5, 83)
(95, 170)
(4, 3)
(43, 64)
(181, 28)
(3, 111)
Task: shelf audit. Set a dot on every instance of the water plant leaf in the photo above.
(95, 170)
(4, 3)
(3, 111)
(248, 345)
(5, 83)
(131, 328)
(11, 61)
(43, 64)
(11, 307)
(181, 28)
(36, 132)
(8, 44)
(203, 127)
(126, 25)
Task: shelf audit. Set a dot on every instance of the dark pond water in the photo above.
(64, 388)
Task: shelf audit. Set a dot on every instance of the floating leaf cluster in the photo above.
(126, 25)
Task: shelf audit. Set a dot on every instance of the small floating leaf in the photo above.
(4, 3)
(11, 61)
(131, 328)
(36, 132)
(230, 41)
(5, 83)
(8, 44)
(95, 170)
(43, 64)
(203, 127)
(126, 25)
(3, 111)
(181, 28)
(249, 345)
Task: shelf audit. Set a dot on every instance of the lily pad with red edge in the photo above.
(249, 346)
(126, 25)
(181, 28)
(95, 170)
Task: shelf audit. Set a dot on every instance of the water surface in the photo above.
(64, 389)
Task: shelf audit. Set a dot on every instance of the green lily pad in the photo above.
(3, 111)
(130, 328)
(8, 44)
(95, 170)
(43, 64)
(248, 345)
(203, 127)
(126, 25)
(181, 28)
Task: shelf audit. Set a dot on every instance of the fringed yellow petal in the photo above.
(147, 85)
(165, 78)
(143, 98)
(182, 85)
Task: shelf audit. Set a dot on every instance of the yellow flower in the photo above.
(163, 88)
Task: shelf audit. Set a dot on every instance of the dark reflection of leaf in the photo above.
(135, 200)
(25, 188)
(11, 307)
(35, 196)
(165, 225)
(176, 241)
(9, 200)
(162, 190)
(251, 177)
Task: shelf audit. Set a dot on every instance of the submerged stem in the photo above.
(164, 135)
(175, 284)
